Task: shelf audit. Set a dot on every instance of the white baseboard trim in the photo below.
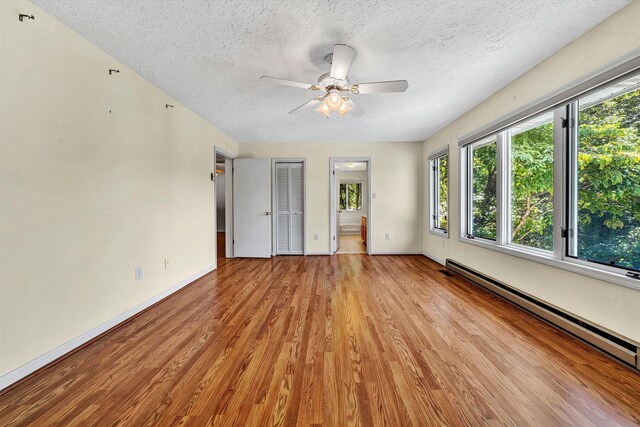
(17, 374)
(318, 253)
(397, 253)
(436, 259)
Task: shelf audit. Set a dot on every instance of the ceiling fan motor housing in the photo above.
(327, 83)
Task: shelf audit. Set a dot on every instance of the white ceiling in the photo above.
(209, 55)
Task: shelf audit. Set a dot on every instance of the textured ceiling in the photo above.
(209, 55)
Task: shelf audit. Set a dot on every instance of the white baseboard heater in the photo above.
(623, 349)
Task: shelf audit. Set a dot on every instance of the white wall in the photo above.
(352, 217)
(97, 177)
(612, 306)
(397, 209)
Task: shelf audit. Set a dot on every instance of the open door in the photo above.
(338, 212)
(252, 208)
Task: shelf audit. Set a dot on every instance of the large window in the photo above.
(605, 203)
(439, 193)
(561, 186)
(351, 196)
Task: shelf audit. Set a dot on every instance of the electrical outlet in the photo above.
(316, 236)
(138, 273)
(166, 263)
(387, 236)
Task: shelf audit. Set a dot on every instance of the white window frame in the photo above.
(564, 108)
(466, 190)
(347, 182)
(507, 193)
(434, 191)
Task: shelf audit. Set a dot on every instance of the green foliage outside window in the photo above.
(609, 181)
(351, 196)
(532, 187)
(443, 188)
(484, 191)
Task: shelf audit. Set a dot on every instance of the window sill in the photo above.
(536, 256)
(440, 233)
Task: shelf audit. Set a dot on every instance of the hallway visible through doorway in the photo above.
(351, 245)
(221, 242)
(350, 205)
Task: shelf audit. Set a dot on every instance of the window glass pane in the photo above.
(354, 202)
(484, 176)
(608, 189)
(532, 183)
(343, 196)
(443, 188)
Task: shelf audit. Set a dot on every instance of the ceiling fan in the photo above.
(335, 88)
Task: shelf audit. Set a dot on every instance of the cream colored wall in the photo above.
(396, 176)
(612, 306)
(97, 177)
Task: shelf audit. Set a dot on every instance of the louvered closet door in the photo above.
(290, 209)
(296, 197)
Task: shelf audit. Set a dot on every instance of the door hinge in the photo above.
(334, 172)
(563, 232)
(334, 237)
(213, 177)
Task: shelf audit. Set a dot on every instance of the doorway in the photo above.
(350, 205)
(223, 206)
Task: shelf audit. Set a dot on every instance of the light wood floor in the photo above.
(331, 341)
(351, 245)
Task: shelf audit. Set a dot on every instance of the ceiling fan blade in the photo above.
(306, 105)
(291, 83)
(380, 87)
(341, 61)
(355, 110)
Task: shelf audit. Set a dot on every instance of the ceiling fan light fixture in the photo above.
(336, 82)
(334, 100)
(323, 108)
(345, 107)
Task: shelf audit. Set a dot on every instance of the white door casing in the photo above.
(334, 206)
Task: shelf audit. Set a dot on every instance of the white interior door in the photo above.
(252, 208)
(338, 212)
(289, 208)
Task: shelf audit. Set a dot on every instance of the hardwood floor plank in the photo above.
(330, 341)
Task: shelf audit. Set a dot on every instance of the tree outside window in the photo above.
(351, 196)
